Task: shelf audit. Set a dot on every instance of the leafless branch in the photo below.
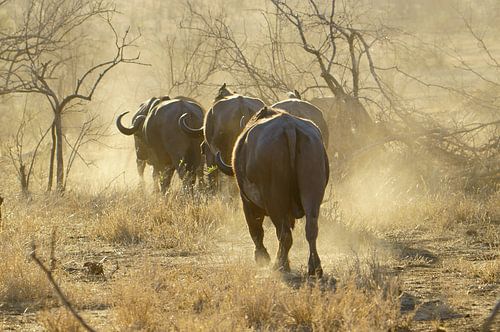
(58, 290)
(490, 319)
(33, 60)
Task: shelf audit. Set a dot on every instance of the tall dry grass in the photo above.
(176, 221)
(22, 285)
(59, 320)
(239, 297)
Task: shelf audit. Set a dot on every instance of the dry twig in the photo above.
(58, 290)
(489, 320)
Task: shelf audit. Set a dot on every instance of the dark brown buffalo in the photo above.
(137, 120)
(351, 126)
(223, 123)
(160, 142)
(282, 171)
(303, 109)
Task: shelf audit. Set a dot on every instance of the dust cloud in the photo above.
(431, 42)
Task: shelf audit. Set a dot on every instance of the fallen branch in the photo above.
(489, 320)
(58, 290)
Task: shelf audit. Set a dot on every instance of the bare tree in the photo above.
(336, 52)
(23, 161)
(34, 59)
(469, 140)
(267, 74)
(325, 47)
(189, 67)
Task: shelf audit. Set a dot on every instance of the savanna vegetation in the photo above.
(410, 226)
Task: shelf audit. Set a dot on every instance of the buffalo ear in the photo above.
(223, 87)
(297, 94)
(139, 120)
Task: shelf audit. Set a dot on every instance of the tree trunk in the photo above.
(59, 152)
(24, 180)
(52, 154)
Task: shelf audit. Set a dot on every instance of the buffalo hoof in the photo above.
(282, 266)
(317, 272)
(262, 257)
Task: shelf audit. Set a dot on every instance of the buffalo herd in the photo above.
(277, 155)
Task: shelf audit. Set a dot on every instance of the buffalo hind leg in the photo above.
(255, 218)
(165, 179)
(284, 234)
(188, 182)
(202, 184)
(156, 179)
(141, 165)
(212, 171)
(187, 175)
(314, 264)
(213, 180)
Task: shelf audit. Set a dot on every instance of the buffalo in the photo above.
(281, 168)
(222, 124)
(160, 143)
(303, 109)
(351, 126)
(137, 120)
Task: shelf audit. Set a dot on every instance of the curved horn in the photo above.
(225, 168)
(194, 132)
(242, 123)
(154, 104)
(135, 125)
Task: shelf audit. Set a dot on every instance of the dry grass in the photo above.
(215, 286)
(240, 297)
(59, 320)
(22, 285)
(437, 213)
(178, 222)
(137, 304)
(487, 271)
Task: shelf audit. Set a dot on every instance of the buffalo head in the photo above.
(136, 124)
(141, 146)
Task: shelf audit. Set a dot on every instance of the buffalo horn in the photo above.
(225, 168)
(135, 126)
(194, 132)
